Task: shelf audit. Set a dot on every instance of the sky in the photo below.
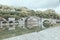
(34, 4)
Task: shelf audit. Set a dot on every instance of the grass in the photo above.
(16, 32)
(19, 31)
(55, 25)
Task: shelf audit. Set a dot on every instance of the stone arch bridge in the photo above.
(28, 22)
(33, 21)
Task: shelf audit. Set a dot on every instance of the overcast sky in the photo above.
(34, 4)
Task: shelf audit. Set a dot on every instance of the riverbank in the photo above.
(47, 34)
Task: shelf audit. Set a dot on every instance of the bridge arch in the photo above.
(37, 21)
(33, 21)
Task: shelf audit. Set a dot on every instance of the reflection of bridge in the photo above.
(34, 21)
(27, 22)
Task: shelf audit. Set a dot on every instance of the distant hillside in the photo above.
(18, 12)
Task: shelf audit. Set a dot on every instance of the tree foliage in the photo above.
(7, 11)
